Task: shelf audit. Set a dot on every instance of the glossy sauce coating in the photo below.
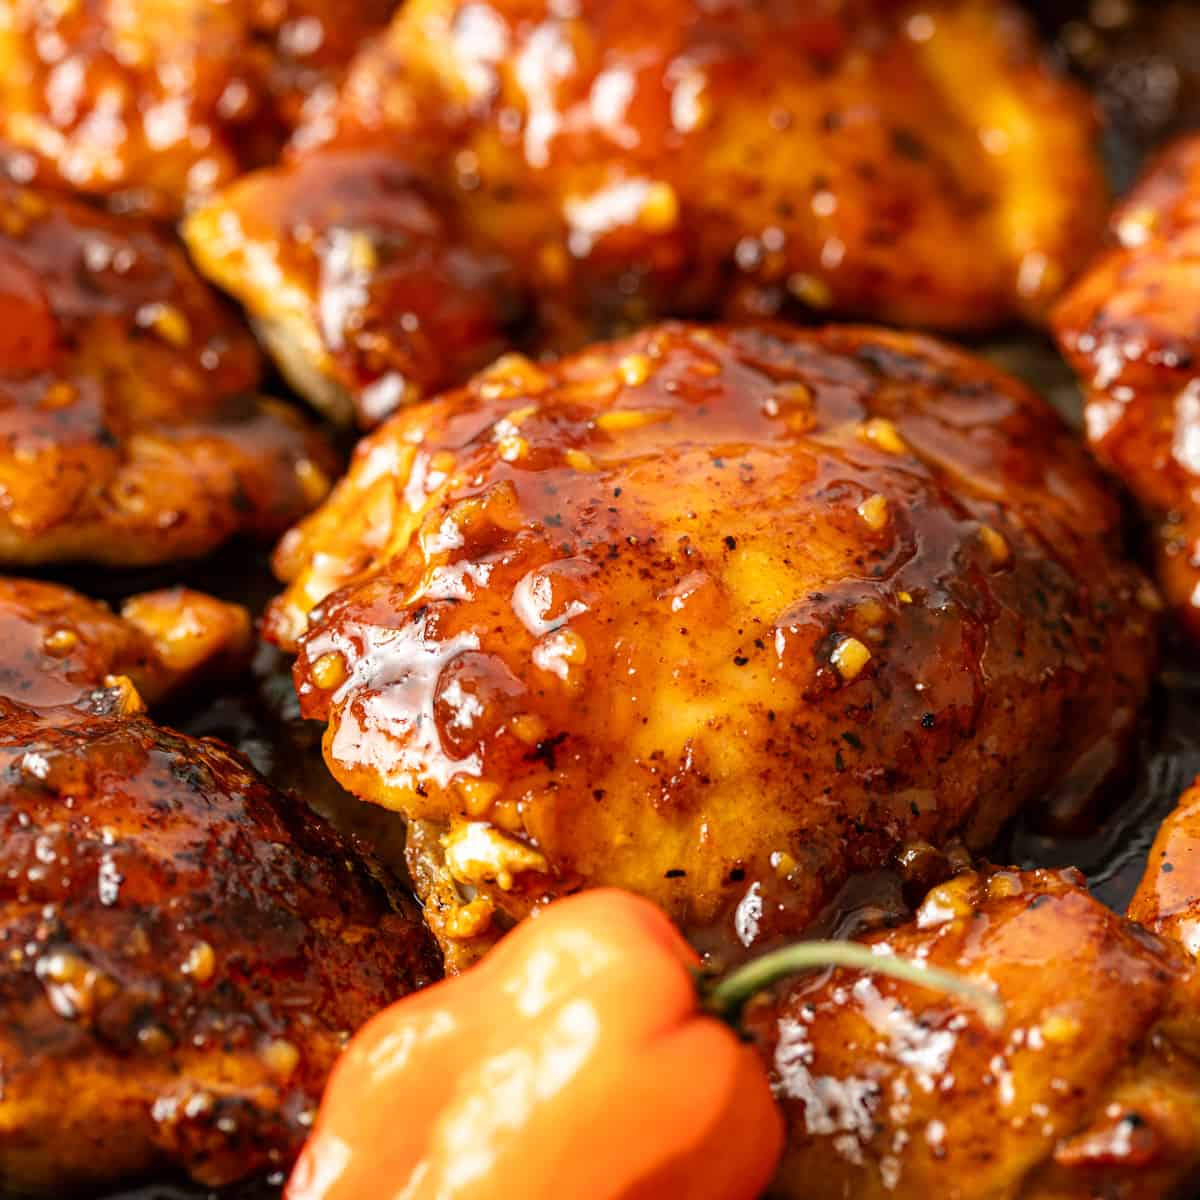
(1131, 328)
(1168, 898)
(1088, 1090)
(183, 950)
(361, 283)
(720, 616)
(128, 431)
(60, 647)
(914, 163)
(149, 102)
(184, 953)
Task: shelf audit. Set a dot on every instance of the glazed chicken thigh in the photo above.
(183, 951)
(1131, 328)
(1088, 1090)
(62, 649)
(721, 616)
(129, 431)
(915, 163)
(148, 102)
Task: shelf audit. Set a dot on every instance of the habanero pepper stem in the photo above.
(725, 996)
(584, 1056)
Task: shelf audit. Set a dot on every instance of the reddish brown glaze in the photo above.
(361, 283)
(1089, 1089)
(183, 950)
(721, 616)
(60, 647)
(148, 102)
(1168, 898)
(917, 163)
(127, 434)
(1131, 328)
(183, 954)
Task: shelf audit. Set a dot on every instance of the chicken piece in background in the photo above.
(1091, 1087)
(147, 103)
(183, 950)
(62, 651)
(1131, 329)
(130, 433)
(358, 279)
(918, 164)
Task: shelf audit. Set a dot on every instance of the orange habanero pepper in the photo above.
(575, 1061)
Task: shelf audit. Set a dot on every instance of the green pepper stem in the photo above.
(728, 996)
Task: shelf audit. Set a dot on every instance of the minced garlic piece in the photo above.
(850, 657)
(478, 853)
(874, 512)
(883, 434)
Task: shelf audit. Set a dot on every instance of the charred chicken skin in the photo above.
(1131, 328)
(741, 159)
(183, 951)
(721, 616)
(129, 433)
(1089, 1089)
(147, 103)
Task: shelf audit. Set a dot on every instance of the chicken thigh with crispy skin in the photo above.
(1090, 1088)
(721, 616)
(182, 950)
(915, 163)
(129, 432)
(148, 102)
(1131, 328)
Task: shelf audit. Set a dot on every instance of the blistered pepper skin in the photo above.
(573, 1061)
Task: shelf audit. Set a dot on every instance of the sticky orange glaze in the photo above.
(363, 286)
(1168, 898)
(148, 102)
(183, 950)
(182, 953)
(1131, 328)
(60, 647)
(721, 616)
(838, 151)
(743, 159)
(128, 433)
(1089, 1088)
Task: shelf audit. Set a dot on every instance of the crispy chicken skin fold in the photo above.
(182, 949)
(1089, 1089)
(1131, 328)
(148, 102)
(129, 432)
(918, 164)
(719, 615)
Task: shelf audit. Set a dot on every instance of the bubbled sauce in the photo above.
(148, 104)
(722, 616)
